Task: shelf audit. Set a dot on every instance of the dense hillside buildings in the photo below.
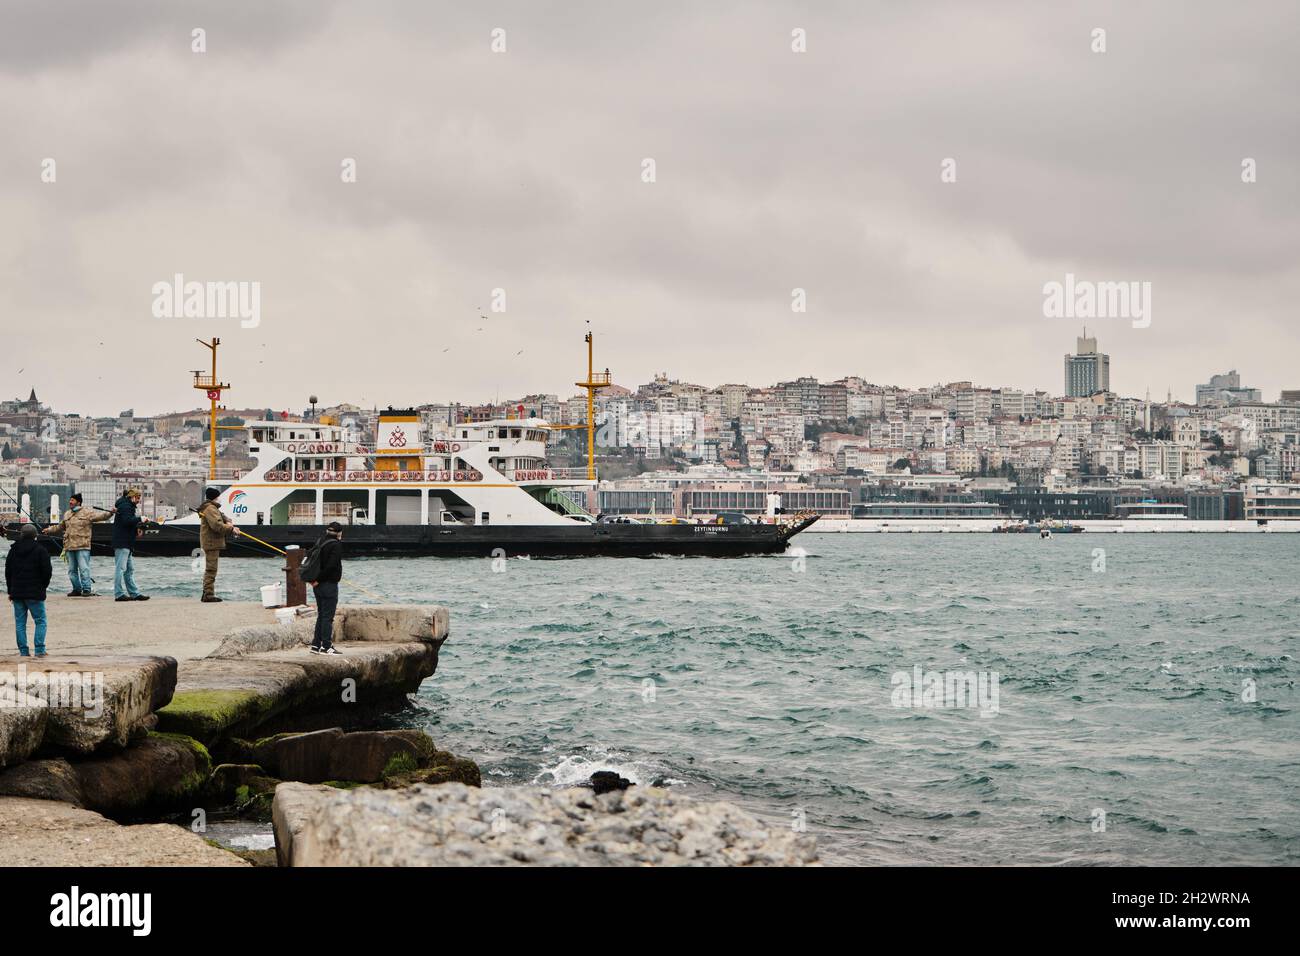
(669, 446)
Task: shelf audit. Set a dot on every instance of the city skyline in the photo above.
(327, 401)
(914, 193)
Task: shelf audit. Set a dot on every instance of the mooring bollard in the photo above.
(295, 589)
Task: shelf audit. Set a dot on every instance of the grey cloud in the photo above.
(775, 170)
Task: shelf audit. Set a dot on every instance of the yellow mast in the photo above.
(595, 380)
(214, 387)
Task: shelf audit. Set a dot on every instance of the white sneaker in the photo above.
(331, 651)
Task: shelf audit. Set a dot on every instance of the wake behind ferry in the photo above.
(483, 490)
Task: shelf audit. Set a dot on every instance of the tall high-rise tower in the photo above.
(1087, 371)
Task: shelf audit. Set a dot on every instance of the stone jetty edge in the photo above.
(166, 739)
(261, 729)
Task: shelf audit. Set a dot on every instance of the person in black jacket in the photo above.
(127, 525)
(27, 575)
(326, 588)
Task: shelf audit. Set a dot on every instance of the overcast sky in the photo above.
(523, 171)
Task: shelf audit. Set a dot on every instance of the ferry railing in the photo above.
(571, 474)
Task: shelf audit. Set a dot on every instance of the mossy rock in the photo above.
(209, 715)
(200, 751)
(400, 764)
(425, 748)
(162, 771)
(444, 768)
(192, 783)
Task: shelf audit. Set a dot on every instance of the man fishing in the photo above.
(76, 529)
(325, 585)
(214, 530)
(127, 525)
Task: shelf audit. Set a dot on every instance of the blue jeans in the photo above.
(79, 570)
(124, 574)
(37, 611)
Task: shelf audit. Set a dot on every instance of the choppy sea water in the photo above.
(768, 681)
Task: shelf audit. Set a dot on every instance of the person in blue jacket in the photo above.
(127, 525)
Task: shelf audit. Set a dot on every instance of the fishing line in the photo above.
(245, 534)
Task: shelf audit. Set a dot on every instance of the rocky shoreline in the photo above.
(259, 729)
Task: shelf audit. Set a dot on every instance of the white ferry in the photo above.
(485, 489)
(480, 489)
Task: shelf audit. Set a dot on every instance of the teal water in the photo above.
(749, 680)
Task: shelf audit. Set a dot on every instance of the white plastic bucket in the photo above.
(285, 615)
(271, 596)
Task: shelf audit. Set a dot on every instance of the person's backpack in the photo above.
(310, 569)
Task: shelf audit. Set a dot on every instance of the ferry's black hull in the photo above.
(580, 540)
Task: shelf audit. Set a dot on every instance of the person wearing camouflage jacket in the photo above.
(76, 531)
(214, 529)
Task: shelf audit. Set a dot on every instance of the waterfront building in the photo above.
(1151, 509)
(1265, 501)
(753, 501)
(926, 509)
(1033, 504)
(634, 501)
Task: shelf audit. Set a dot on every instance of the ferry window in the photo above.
(514, 433)
(486, 516)
(464, 434)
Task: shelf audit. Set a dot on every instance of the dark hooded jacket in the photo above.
(331, 559)
(125, 523)
(27, 570)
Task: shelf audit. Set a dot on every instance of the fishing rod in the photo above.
(244, 534)
(4, 531)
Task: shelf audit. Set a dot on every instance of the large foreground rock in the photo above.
(54, 779)
(161, 772)
(156, 774)
(22, 725)
(47, 833)
(396, 758)
(93, 702)
(455, 825)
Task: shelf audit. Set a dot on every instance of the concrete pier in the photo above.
(148, 708)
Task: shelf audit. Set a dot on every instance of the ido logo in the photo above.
(237, 505)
